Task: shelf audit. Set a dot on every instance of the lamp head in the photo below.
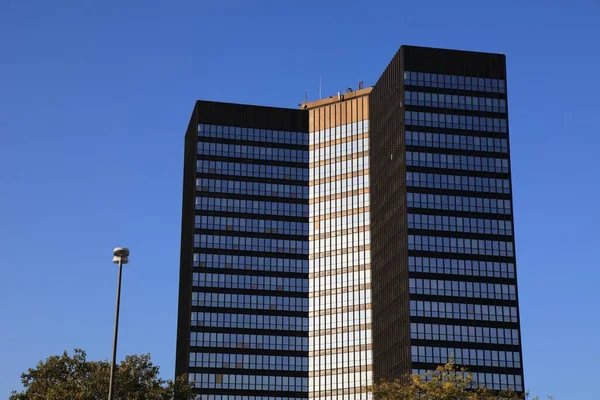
(121, 254)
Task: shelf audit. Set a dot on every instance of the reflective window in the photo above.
(252, 188)
(493, 381)
(250, 225)
(254, 302)
(458, 203)
(249, 382)
(252, 134)
(453, 121)
(464, 333)
(339, 150)
(252, 282)
(339, 186)
(252, 170)
(459, 224)
(478, 312)
(458, 182)
(252, 152)
(339, 168)
(248, 361)
(480, 357)
(450, 161)
(339, 132)
(471, 83)
(438, 287)
(250, 321)
(251, 206)
(461, 142)
(248, 341)
(239, 397)
(460, 245)
(461, 267)
(251, 244)
(458, 102)
(228, 261)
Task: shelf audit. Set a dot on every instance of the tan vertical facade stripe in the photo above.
(340, 366)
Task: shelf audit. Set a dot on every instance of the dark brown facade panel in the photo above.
(389, 256)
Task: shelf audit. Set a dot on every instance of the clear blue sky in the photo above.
(95, 97)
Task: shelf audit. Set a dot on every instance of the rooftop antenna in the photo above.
(320, 85)
(360, 85)
(306, 96)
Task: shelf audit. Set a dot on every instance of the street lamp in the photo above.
(120, 256)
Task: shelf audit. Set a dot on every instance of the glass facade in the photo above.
(460, 233)
(249, 297)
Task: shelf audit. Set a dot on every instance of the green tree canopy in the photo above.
(447, 382)
(75, 378)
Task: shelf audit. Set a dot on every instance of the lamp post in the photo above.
(120, 256)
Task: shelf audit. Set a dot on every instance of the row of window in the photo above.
(493, 381)
(252, 152)
(328, 382)
(253, 302)
(252, 188)
(341, 360)
(339, 168)
(250, 321)
(340, 242)
(459, 224)
(458, 102)
(472, 83)
(457, 182)
(226, 261)
(468, 334)
(341, 204)
(340, 223)
(250, 225)
(248, 361)
(479, 290)
(339, 186)
(461, 267)
(332, 263)
(237, 397)
(339, 150)
(252, 170)
(460, 245)
(251, 244)
(251, 206)
(339, 132)
(453, 121)
(249, 382)
(253, 282)
(252, 134)
(338, 340)
(477, 312)
(246, 341)
(460, 142)
(340, 280)
(488, 358)
(450, 161)
(332, 301)
(340, 320)
(458, 203)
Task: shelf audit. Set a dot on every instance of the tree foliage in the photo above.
(75, 378)
(447, 382)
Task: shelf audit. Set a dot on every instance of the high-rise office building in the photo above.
(243, 302)
(366, 235)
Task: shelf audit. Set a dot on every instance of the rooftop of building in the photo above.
(340, 97)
